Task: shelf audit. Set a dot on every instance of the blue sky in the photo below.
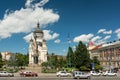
(83, 20)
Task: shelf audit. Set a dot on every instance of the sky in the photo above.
(77, 20)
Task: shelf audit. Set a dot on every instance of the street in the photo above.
(59, 78)
(43, 76)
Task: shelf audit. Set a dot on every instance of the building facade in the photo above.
(37, 48)
(93, 50)
(6, 56)
(110, 55)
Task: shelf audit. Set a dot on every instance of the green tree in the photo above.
(61, 62)
(95, 60)
(98, 67)
(56, 61)
(1, 61)
(82, 57)
(45, 64)
(26, 59)
(21, 59)
(70, 57)
(96, 63)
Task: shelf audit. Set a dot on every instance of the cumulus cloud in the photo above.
(28, 37)
(57, 41)
(83, 37)
(25, 19)
(107, 37)
(101, 30)
(49, 35)
(118, 32)
(103, 40)
(29, 4)
(41, 3)
(104, 31)
(96, 38)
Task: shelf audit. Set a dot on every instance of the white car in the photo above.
(94, 73)
(80, 74)
(6, 74)
(63, 74)
(109, 73)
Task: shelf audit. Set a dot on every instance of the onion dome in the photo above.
(38, 29)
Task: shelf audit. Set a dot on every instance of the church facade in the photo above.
(37, 48)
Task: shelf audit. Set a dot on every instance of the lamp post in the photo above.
(68, 50)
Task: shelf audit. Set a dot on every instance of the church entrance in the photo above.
(36, 59)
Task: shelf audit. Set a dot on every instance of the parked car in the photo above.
(28, 73)
(80, 74)
(94, 73)
(63, 74)
(6, 74)
(109, 73)
(74, 72)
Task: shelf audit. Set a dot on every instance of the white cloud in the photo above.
(96, 38)
(41, 3)
(104, 40)
(28, 3)
(108, 32)
(28, 37)
(25, 19)
(49, 35)
(101, 30)
(57, 41)
(107, 37)
(118, 32)
(104, 31)
(83, 37)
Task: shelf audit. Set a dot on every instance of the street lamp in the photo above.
(68, 50)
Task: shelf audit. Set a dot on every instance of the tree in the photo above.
(95, 60)
(70, 57)
(21, 59)
(26, 61)
(82, 57)
(56, 61)
(1, 61)
(97, 63)
(45, 64)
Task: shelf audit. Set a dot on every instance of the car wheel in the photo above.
(36, 75)
(9, 75)
(88, 77)
(78, 78)
(68, 75)
(59, 75)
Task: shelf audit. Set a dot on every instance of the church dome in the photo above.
(38, 29)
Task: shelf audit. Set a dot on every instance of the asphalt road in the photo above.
(53, 77)
(56, 78)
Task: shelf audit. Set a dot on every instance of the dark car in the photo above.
(28, 73)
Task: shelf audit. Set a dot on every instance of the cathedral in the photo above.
(37, 48)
